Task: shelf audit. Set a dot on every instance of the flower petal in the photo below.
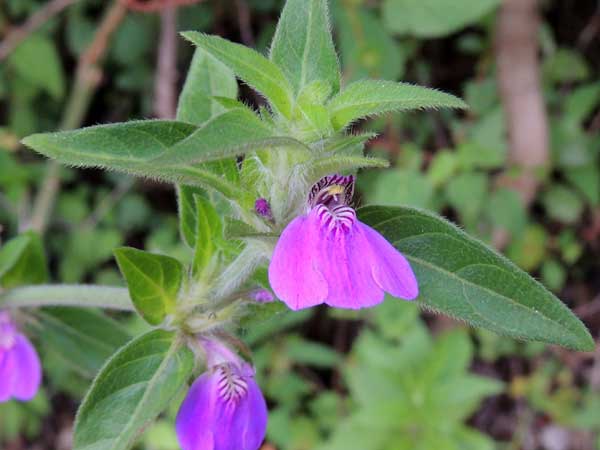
(254, 418)
(293, 272)
(390, 269)
(346, 261)
(6, 375)
(27, 369)
(195, 419)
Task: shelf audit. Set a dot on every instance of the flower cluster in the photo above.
(20, 369)
(324, 256)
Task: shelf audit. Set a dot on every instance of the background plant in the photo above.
(526, 241)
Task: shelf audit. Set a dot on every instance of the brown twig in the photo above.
(156, 5)
(519, 80)
(165, 85)
(35, 21)
(87, 78)
(245, 23)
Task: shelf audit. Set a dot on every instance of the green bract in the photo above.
(222, 155)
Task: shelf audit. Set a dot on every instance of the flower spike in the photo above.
(329, 256)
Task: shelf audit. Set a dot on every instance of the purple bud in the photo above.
(20, 368)
(262, 296)
(224, 409)
(262, 208)
(329, 256)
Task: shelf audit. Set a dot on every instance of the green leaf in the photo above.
(303, 47)
(168, 150)
(563, 204)
(371, 97)
(22, 261)
(84, 338)
(249, 65)
(206, 78)
(228, 135)
(128, 146)
(463, 278)
(366, 47)
(186, 204)
(153, 281)
(208, 232)
(37, 61)
(433, 18)
(131, 390)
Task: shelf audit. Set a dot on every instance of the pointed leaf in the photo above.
(249, 65)
(153, 281)
(131, 390)
(208, 231)
(186, 205)
(206, 78)
(228, 135)
(303, 46)
(463, 278)
(371, 97)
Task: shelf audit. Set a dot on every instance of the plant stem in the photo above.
(78, 295)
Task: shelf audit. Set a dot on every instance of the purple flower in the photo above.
(224, 409)
(261, 295)
(20, 368)
(262, 208)
(329, 256)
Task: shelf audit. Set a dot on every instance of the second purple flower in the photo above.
(329, 256)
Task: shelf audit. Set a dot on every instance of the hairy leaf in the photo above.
(134, 387)
(208, 232)
(249, 65)
(168, 150)
(303, 47)
(463, 278)
(370, 97)
(206, 78)
(153, 281)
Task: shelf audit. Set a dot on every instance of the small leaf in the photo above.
(463, 278)
(208, 232)
(206, 78)
(131, 390)
(22, 261)
(153, 281)
(37, 61)
(303, 47)
(367, 48)
(249, 65)
(370, 97)
(84, 338)
(187, 213)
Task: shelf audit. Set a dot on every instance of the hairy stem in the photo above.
(77, 295)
